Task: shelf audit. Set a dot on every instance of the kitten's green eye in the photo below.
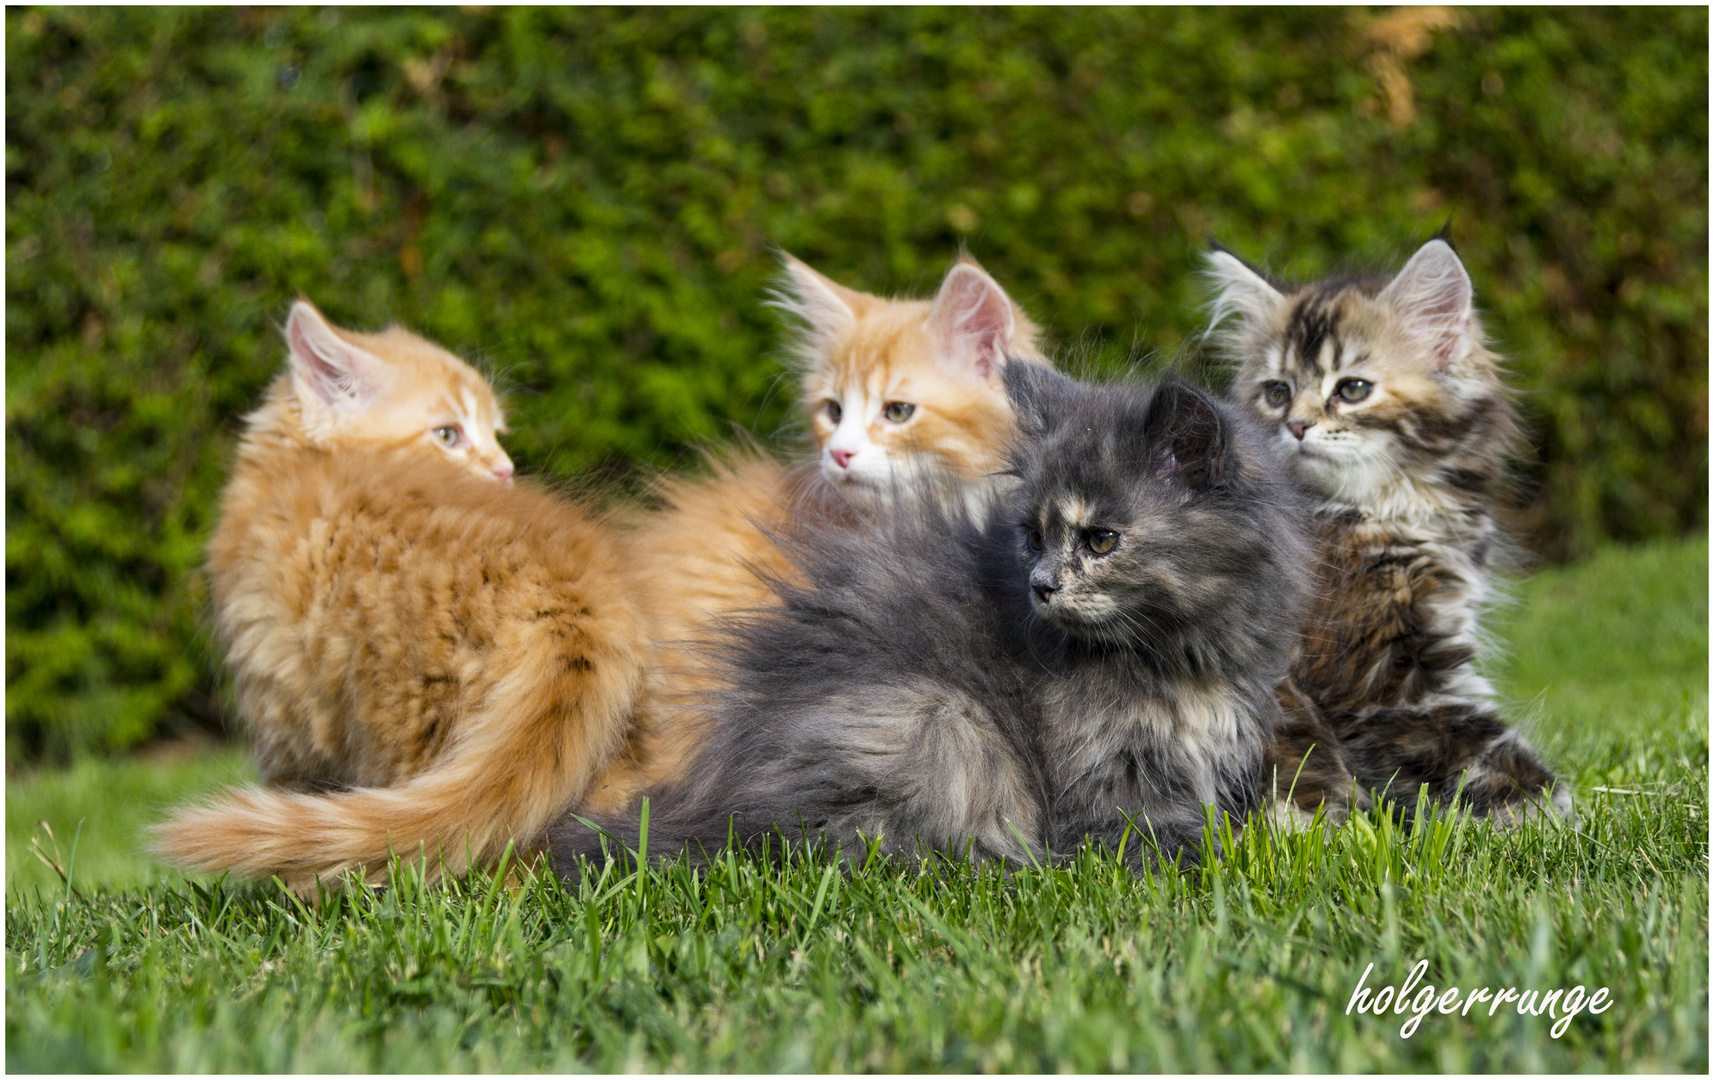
(1101, 541)
(834, 412)
(1277, 394)
(1035, 539)
(1353, 389)
(898, 411)
(446, 436)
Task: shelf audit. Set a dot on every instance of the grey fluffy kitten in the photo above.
(1100, 648)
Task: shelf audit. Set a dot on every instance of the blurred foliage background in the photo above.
(587, 201)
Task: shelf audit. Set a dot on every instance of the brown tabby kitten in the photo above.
(897, 392)
(425, 653)
(1391, 409)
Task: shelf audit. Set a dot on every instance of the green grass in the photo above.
(96, 811)
(1245, 965)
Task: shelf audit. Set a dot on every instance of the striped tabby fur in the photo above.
(1383, 395)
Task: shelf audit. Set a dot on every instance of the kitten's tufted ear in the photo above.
(327, 369)
(1432, 295)
(1239, 288)
(826, 307)
(1038, 395)
(975, 320)
(1186, 435)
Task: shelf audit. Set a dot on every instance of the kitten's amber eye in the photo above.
(1353, 389)
(834, 412)
(1277, 394)
(1035, 539)
(446, 436)
(1101, 541)
(898, 411)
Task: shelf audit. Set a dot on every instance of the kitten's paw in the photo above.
(1296, 813)
(1554, 803)
(1295, 807)
(1288, 817)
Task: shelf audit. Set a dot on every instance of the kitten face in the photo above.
(898, 390)
(1339, 393)
(1366, 381)
(1142, 517)
(391, 389)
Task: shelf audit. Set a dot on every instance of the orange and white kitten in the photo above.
(898, 393)
(900, 390)
(460, 654)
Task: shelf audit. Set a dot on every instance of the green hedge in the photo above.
(587, 200)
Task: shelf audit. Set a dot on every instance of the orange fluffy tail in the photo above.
(515, 767)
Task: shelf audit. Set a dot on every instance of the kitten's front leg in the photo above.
(1305, 767)
(1400, 750)
(1145, 840)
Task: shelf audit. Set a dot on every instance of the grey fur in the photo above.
(918, 689)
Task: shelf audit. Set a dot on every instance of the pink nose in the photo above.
(842, 458)
(503, 470)
(1298, 427)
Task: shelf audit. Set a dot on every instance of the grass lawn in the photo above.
(1248, 964)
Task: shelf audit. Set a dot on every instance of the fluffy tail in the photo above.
(515, 763)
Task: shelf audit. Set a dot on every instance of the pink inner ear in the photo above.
(323, 378)
(1432, 296)
(976, 318)
(327, 365)
(1167, 466)
(1446, 343)
(1442, 319)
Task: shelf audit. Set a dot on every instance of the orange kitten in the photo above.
(897, 392)
(462, 654)
(917, 390)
